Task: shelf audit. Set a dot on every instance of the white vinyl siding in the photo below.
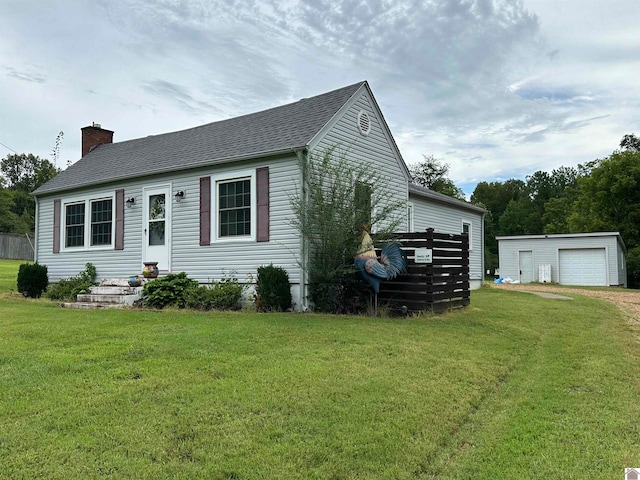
(374, 151)
(446, 218)
(203, 263)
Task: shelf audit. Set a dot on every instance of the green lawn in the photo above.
(515, 386)
(9, 274)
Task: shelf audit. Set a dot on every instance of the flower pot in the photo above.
(150, 270)
(134, 281)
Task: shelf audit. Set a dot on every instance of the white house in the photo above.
(596, 258)
(215, 199)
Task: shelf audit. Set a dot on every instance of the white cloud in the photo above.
(495, 88)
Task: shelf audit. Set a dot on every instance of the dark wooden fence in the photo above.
(16, 247)
(438, 281)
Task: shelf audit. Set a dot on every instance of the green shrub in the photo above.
(339, 196)
(32, 279)
(222, 295)
(340, 291)
(273, 290)
(168, 291)
(67, 289)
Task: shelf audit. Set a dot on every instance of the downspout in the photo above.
(36, 236)
(482, 250)
(304, 258)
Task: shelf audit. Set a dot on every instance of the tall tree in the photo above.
(608, 199)
(26, 172)
(22, 174)
(630, 142)
(432, 173)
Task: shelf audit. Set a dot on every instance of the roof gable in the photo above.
(365, 90)
(276, 130)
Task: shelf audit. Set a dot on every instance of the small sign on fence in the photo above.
(424, 255)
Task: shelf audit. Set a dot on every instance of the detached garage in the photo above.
(584, 259)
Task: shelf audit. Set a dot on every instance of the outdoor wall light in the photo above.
(179, 195)
(130, 201)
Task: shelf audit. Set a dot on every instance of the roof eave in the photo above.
(440, 197)
(237, 158)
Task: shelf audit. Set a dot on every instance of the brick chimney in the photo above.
(93, 136)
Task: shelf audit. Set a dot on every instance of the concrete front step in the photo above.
(107, 298)
(111, 293)
(114, 290)
(91, 305)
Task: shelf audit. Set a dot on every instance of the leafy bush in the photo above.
(341, 292)
(222, 295)
(32, 279)
(168, 291)
(68, 289)
(273, 291)
(339, 197)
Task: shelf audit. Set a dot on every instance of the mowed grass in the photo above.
(516, 386)
(9, 274)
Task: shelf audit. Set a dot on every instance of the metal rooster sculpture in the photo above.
(392, 262)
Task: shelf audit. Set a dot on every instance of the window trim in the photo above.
(468, 222)
(87, 200)
(91, 202)
(216, 180)
(410, 217)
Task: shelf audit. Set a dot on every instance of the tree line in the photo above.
(599, 196)
(21, 175)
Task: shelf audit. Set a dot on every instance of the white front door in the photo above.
(156, 226)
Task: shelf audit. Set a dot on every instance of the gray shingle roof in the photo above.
(442, 198)
(258, 134)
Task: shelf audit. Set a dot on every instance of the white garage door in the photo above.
(583, 266)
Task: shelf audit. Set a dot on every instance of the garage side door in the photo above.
(583, 266)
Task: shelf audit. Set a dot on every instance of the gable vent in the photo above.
(364, 123)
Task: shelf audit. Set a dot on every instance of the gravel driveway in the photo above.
(627, 300)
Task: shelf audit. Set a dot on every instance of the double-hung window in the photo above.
(234, 208)
(88, 223)
(101, 221)
(74, 225)
(466, 228)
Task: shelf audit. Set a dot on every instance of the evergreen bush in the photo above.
(32, 279)
(273, 290)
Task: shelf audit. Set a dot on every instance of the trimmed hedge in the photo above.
(273, 290)
(33, 279)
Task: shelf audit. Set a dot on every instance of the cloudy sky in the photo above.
(497, 89)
